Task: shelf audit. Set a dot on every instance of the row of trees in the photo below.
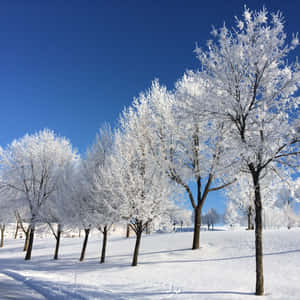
(237, 117)
(43, 180)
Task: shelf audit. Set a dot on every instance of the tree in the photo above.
(26, 230)
(252, 88)
(100, 184)
(190, 150)
(79, 203)
(231, 216)
(242, 195)
(179, 216)
(211, 218)
(6, 216)
(285, 199)
(142, 187)
(30, 170)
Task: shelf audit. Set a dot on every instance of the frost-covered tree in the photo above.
(81, 213)
(231, 216)
(142, 185)
(242, 195)
(100, 180)
(179, 216)
(252, 88)
(190, 150)
(211, 218)
(58, 211)
(31, 167)
(22, 218)
(6, 215)
(285, 199)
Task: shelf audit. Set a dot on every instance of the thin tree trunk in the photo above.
(104, 242)
(258, 236)
(2, 235)
(148, 228)
(30, 243)
(198, 211)
(128, 231)
(26, 239)
(86, 237)
(17, 229)
(139, 232)
(197, 224)
(57, 241)
(249, 215)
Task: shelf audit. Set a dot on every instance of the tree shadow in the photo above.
(222, 258)
(59, 290)
(141, 293)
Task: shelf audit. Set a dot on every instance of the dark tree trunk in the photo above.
(198, 211)
(86, 237)
(79, 233)
(104, 242)
(139, 232)
(148, 228)
(250, 224)
(2, 235)
(258, 236)
(197, 224)
(30, 243)
(17, 229)
(128, 231)
(26, 239)
(58, 234)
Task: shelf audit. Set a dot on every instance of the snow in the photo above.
(224, 267)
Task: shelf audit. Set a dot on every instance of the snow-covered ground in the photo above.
(224, 268)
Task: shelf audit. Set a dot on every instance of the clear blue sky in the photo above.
(72, 65)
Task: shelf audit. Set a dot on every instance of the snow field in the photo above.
(224, 267)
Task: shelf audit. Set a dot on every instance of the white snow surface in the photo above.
(224, 268)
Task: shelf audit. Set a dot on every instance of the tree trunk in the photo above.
(137, 243)
(249, 215)
(258, 236)
(87, 232)
(128, 231)
(57, 241)
(17, 229)
(197, 224)
(30, 243)
(26, 239)
(2, 235)
(148, 228)
(104, 242)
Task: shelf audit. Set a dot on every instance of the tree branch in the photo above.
(221, 186)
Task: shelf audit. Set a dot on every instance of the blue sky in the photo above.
(72, 65)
